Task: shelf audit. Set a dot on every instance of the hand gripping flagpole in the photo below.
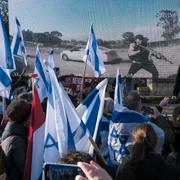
(97, 150)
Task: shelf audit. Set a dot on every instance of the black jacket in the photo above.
(14, 145)
(177, 83)
(149, 169)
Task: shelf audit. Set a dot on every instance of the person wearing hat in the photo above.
(14, 138)
(139, 55)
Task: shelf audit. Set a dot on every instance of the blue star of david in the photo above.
(114, 133)
(50, 142)
(37, 81)
(123, 149)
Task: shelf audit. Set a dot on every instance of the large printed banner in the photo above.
(142, 38)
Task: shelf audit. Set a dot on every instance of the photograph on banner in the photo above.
(142, 38)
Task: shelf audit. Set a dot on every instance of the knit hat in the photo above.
(19, 110)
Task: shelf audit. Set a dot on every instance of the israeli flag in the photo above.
(51, 61)
(92, 55)
(91, 109)
(5, 83)
(120, 140)
(64, 130)
(118, 94)
(17, 45)
(6, 62)
(42, 80)
(6, 58)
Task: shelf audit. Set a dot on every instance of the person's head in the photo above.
(139, 39)
(133, 101)
(86, 88)
(62, 79)
(26, 96)
(94, 83)
(108, 105)
(145, 140)
(73, 157)
(18, 111)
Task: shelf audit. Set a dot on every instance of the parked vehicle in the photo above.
(77, 53)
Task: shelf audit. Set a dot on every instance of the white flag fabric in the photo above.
(6, 62)
(64, 130)
(92, 55)
(91, 109)
(6, 58)
(118, 94)
(5, 83)
(42, 80)
(17, 45)
(50, 61)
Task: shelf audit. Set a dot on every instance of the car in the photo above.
(77, 54)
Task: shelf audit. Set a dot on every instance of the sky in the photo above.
(111, 18)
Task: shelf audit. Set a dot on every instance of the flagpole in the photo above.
(97, 150)
(83, 79)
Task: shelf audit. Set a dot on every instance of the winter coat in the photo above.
(14, 145)
(165, 124)
(154, 168)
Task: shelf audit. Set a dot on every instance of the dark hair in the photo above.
(26, 96)
(73, 157)
(86, 84)
(140, 37)
(132, 101)
(145, 141)
(19, 110)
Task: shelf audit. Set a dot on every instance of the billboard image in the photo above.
(142, 38)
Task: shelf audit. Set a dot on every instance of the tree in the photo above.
(56, 34)
(4, 12)
(28, 35)
(128, 37)
(46, 38)
(169, 21)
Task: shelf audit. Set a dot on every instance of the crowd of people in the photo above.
(145, 148)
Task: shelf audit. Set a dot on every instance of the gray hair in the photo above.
(133, 101)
